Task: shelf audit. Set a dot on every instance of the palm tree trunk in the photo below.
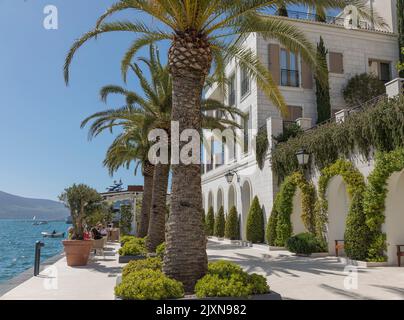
(156, 234)
(148, 173)
(185, 258)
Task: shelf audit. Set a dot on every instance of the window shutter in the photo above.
(336, 62)
(274, 66)
(307, 76)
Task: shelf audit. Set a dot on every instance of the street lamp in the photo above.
(229, 176)
(303, 157)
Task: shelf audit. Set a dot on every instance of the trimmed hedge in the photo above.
(133, 247)
(227, 279)
(255, 223)
(375, 198)
(304, 243)
(148, 284)
(210, 222)
(232, 230)
(126, 238)
(219, 224)
(161, 249)
(137, 265)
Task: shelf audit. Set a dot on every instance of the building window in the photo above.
(381, 69)
(245, 82)
(246, 129)
(232, 90)
(289, 69)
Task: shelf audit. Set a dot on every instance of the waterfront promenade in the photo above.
(292, 277)
(96, 281)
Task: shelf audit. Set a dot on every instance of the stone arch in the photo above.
(296, 220)
(210, 200)
(338, 207)
(246, 198)
(356, 235)
(219, 199)
(289, 210)
(393, 226)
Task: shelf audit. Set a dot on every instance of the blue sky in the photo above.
(42, 147)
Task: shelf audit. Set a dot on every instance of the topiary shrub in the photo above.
(125, 239)
(137, 265)
(219, 224)
(210, 222)
(148, 284)
(362, 88)
(255, 223)
(160, 250)
(227, 279)
(271, 226)
(133, 247)
(304, 243)
(232, 228)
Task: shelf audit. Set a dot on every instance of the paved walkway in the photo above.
(312, 278)
(292, 277)
(96, 281)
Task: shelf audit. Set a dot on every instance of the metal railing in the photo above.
(290, 78)
(327, 19)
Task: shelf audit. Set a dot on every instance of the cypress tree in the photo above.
(323, 88)
(232, 225)
(282, 11)
(255, 223)
(210, 222)
(219, 223)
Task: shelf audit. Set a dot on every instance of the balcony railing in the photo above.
(290, 78)
(328, 19)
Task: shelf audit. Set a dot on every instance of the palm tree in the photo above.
(128, 148)
(145, 114)
(203, 34)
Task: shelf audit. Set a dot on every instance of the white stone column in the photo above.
(395, 87)
(274, 128)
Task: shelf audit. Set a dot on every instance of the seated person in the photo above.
(96, 234)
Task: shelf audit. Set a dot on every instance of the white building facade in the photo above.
(350, 52)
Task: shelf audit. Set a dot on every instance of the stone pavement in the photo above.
(96, 281)
(312, 278)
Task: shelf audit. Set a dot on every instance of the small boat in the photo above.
(53, 234)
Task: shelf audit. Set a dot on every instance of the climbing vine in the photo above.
(356, 232)
(375, 197)
(379, 126)
(279, 227)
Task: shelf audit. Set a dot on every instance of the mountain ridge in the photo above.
(17, 207)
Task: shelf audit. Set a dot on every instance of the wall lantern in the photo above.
(302, 157)
(229, 176)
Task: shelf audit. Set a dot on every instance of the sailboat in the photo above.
(38, 223)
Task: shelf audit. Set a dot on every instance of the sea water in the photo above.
(17, 245)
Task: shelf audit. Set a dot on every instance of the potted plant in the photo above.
(82, 202)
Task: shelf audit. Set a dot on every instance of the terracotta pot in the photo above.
(77, 252)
